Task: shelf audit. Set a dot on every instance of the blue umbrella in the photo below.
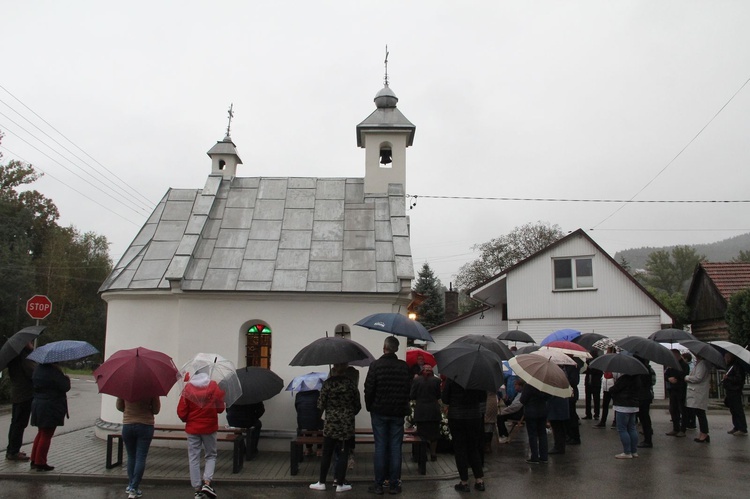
(561, 335)
(396, 324)
(307, 382)
(61, 351)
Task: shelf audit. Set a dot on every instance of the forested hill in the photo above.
(720, 251)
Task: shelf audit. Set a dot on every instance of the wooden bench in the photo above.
(235, 436)
(361, 436)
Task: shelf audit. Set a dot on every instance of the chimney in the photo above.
(451, 303)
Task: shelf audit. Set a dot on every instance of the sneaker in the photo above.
(394, 490)
(128, 489)
(375, 489)
(199, 495)
(208, 490)
(343, 488)
(318, 486)
(680, 434)
(624, 456)
(479, 486)
(502, 440)
(740, 433)
(730, 432)
(635, 454)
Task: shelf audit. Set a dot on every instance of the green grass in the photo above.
(68, 370)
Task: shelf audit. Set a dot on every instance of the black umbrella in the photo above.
(649, 349)
(587, 340)
(331, 350)
(396, 324)
(618, 363)
(706, 351)
(14, 345)
(671, 335)
(527, 349)
(258, 384)
(471, 366)
(516, 335)
(492, 344)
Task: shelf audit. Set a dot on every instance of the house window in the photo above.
(574, 273)
(258, 349)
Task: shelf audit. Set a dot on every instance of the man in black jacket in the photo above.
(387, 388)
(645, 397)
(733, 382)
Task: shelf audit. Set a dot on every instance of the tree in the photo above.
(431, 312)
(738, 317)
(671, 272)
(743, 257)
(505, 251)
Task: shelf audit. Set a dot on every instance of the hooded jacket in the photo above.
(200, 405)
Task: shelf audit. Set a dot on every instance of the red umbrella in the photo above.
(412, 353)
(569, 347)
(136, 374)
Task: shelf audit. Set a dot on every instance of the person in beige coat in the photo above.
(697, 396)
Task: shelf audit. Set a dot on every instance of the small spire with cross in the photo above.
(385, 80)
(231, 115)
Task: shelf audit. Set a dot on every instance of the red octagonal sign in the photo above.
(38, 307)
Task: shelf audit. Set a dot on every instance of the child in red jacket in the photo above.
(200, 405)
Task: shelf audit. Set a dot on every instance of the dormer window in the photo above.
(573, 273)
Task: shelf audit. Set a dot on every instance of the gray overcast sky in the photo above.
(532, 99)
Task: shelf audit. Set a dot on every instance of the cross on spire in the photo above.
(385, 80)
(231, 115)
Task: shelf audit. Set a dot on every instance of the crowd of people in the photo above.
(392, 390)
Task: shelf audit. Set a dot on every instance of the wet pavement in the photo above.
(674, 467)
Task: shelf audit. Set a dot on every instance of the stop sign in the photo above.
(38, 307)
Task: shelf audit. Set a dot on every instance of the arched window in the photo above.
(258, 349)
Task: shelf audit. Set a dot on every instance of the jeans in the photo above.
(536, 428)
(195, 442)
(389, 435)
(467, 443)
(137, 439)
(19, 420)
(628, 433)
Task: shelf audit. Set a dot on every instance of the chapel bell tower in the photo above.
(385, 135)
(224, 157)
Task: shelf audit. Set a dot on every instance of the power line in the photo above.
(72, 188)
(149, 204)
(580, 200)
(676, 156)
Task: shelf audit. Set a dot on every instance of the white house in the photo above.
(256, 268)
(572, 283)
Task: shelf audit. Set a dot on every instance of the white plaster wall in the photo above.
(377, 177)
(183, 324)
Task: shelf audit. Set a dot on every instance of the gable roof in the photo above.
(271, 234)
(577, 233)
(727, 277)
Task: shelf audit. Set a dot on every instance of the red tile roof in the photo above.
(729, 277)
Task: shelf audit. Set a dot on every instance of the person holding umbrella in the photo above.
(199, 407)
(466, 423)
(20, 370)
(697, 396)
(339, 403)
(48, 410)
(733, 381)
(137, 433)
(677, 394)
(626, 403)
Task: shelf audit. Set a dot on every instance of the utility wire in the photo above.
(72, 188)
(149, 203)
(676, 156)
(580, 200)
(124, 194)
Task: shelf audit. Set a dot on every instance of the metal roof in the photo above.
(271, 234)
